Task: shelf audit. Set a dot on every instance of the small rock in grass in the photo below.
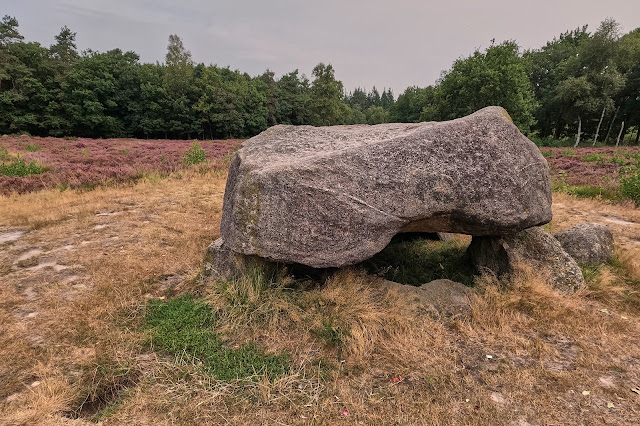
(442, 297)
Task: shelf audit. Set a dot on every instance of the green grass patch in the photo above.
(333, 335)
(586, 191)
(422, 260)
(551, 142)
(183, 327)
(618, 160)
(32, 148)
(19, 168)
(630, 184)
(194, 155)
(593, 158)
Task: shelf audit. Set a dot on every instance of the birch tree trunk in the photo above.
(595, 138)
(611, 125)
(579, 130)
(620, 134)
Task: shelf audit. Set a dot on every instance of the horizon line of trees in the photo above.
(580, 84)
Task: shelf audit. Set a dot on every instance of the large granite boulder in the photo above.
(534, 247)
(587, 243)
(335, 196)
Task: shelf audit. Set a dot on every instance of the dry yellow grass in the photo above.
(72, 350)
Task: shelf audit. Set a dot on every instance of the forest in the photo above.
(581, 85)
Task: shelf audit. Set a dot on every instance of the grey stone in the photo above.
(534, 247)
(446, 236)
(442, 298)
(221, 262)
(335, 196)
(587, 243)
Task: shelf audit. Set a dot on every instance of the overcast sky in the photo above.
(393, 43)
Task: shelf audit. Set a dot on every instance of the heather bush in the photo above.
(194, 155)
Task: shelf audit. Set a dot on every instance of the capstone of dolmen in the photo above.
(335, 196)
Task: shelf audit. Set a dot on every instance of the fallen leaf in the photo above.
(605, 311)
(610, 405)
(586, 393)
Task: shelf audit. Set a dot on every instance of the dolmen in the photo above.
(328, 197)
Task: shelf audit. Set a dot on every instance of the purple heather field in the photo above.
(84, 162)
(597, 167)
(81, 163)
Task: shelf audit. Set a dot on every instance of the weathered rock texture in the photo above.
(587, 243)
(335, 196)
(440, 298)
(534, 247)
(222, 262)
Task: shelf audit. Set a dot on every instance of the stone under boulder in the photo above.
(222, 262)
(534, 247)
(442, 298)
(335, 196)
(587, 243)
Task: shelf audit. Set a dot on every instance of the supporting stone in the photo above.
(534, 247)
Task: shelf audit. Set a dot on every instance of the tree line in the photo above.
(580, 84)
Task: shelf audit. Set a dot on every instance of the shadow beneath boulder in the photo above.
(416, 259)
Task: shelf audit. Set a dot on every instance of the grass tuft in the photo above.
(183, 327)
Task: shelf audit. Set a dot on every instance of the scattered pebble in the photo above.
(606, 381)
(498, 398)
